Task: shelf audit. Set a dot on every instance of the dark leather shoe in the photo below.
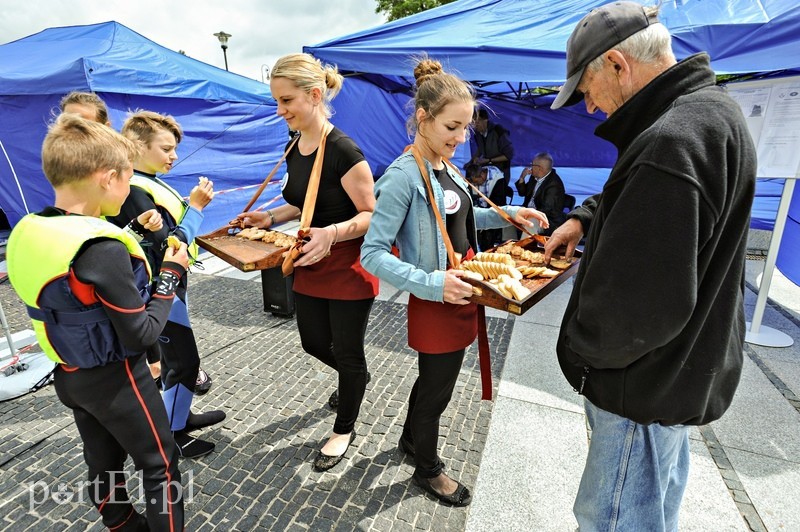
(460, 497)
(323, 462)
(333, 400)
(201, 421)
(406, 446)
(203, 382)
(191, 447)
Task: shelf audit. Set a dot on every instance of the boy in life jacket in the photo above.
(86, 285)
(158, 136)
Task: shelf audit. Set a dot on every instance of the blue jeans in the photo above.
(634, 476)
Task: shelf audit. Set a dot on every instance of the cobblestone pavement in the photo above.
(260, 476)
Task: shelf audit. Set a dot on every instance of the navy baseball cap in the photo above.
(596, 33)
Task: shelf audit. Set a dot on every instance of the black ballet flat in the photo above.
(406, 446)
(323, 462)
(333, 400)
(460, 497)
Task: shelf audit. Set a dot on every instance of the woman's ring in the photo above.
(314, 257)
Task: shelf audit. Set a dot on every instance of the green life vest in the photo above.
(168, 198)
(41, 250)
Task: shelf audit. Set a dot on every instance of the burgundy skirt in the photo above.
(338, 276)
(435, 327)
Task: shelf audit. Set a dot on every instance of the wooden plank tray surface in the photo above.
(246, 255)
(539, 286)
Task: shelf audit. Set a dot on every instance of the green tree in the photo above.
(396, 9)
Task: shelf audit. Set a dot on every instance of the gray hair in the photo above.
(544, 156)
(651, 45)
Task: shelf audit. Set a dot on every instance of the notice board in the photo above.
(772, 110)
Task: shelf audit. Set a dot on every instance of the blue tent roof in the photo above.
(494, 43)
(231, 132)
(110, 57)
(506, 48)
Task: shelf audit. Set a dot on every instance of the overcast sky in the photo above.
(262, 30)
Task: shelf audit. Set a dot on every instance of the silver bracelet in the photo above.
(271, 218)
(336, 237)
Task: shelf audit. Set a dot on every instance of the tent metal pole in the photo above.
(16, 179)
(7, 331)
(757, 334)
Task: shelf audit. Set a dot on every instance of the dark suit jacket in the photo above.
(549, 198)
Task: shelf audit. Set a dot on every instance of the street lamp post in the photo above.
(223, 41)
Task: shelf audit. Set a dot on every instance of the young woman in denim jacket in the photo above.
(442, 323)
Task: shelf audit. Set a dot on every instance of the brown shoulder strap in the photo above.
(500, 211)
(452, 256)
(308, 204)
(272, 173)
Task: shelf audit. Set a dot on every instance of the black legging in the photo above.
(429, 397)
(332, 330)
(119, 412)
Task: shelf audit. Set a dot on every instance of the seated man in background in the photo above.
(544, 191)
(491, 182)
(491, 146)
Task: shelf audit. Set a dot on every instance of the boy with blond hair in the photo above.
(85, 284)
(159, 135)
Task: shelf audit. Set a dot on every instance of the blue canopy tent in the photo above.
(232, 134)
(513, 51)
(788, 259)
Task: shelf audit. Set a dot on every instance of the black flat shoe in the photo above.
(460, 497)
(203, 382)
(191, 447)
(323, 462)
(333, 400)
(406, 446)
(201, 421)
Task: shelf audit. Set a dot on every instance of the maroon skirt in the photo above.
(435, 327)
(337, 276)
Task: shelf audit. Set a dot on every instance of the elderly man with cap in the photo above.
(652, 334)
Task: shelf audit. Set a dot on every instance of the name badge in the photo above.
(452, 201)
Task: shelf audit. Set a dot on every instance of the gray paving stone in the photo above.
(771, 484)
(533, 373)
(760, 420)
(260, 476)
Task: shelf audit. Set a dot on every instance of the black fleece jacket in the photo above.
(655, 325)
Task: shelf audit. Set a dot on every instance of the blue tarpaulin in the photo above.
(788, 260)
(510, 48)
(232, 134)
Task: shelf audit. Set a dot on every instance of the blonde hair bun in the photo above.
(333, 80)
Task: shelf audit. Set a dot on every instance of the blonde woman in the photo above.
(333, 293)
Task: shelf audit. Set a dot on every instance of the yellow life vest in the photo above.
(169, 199)
(41, 250)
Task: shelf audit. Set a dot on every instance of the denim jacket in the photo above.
(403, 216)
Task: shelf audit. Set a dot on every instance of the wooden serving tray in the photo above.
(539, 286)
(246, 255)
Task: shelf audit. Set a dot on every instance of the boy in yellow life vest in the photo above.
(86, 285)
(159, 136)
